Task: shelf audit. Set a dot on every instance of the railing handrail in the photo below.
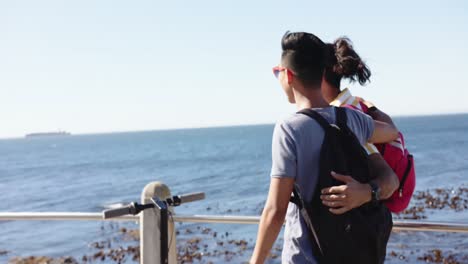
(60, 216)
(226, 219)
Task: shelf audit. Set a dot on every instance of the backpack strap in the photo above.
(341, 117)
(407, 171)
(316, 116)
(297, 200)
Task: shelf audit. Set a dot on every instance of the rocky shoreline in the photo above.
(436, 199)
(200, 244)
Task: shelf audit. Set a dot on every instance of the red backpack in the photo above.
(402, 163)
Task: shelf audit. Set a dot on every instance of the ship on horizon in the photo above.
(48, 134)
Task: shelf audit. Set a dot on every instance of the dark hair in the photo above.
(345, 63)
(304, 53)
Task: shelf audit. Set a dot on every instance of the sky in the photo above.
(106, 66)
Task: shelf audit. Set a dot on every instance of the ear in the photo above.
(289, 76)
(323, 77)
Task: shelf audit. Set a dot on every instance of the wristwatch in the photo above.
(375, 191)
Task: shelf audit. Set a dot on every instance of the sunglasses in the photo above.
(277, 70)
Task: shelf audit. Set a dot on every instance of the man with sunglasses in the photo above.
(296, 148)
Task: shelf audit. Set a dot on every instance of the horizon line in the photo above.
(204, 127)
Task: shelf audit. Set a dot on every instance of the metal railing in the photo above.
(398, 225)
(152, 226)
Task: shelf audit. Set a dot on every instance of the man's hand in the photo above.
(343, 198)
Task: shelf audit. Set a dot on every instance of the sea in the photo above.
(90, 173)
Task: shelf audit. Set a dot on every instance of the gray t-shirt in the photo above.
(296, 145)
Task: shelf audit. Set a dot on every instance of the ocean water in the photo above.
(88, 173)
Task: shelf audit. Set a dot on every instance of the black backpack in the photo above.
(359, 235)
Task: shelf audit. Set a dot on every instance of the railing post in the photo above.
(150, 235)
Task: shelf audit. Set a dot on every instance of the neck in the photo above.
(309, 98)
(329, 92)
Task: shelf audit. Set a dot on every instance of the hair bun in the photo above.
(348, 63)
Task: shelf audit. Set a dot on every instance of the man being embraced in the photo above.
(296, 150)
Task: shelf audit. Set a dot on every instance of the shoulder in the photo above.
(296, 128)
(361, 124)
(294, 124)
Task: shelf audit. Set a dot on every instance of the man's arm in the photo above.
(385, 177)
(272, 218)
(353, 194)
